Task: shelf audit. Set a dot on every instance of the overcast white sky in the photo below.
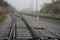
(26, 4)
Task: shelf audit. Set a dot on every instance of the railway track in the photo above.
(31, 32)
(8, 31)
(40, 34)
(21, 30)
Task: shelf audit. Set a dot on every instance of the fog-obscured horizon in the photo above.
(27, 4)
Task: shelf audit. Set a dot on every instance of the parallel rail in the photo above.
(12, 32)
(33, 32)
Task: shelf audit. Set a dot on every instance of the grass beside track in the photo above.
(2, 16)
(44, 14)
(49, 15)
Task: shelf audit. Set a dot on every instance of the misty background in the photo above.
(27, 4)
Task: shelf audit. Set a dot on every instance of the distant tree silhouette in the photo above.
(1, 2)
(48, 7)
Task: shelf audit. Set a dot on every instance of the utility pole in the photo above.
(37, 9)
(36, 6)
(52, 6)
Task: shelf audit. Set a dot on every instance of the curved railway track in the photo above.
(41, 36)
(24, 31)
(7, 35)
(12, 33)
(32, 31)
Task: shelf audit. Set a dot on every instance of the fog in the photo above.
(27, 4)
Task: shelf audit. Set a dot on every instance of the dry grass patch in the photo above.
(2, 16)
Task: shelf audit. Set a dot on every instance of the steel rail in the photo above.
(11, 34)
(10, 31)
(33, 32)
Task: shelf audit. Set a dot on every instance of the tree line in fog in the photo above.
(51, 7)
